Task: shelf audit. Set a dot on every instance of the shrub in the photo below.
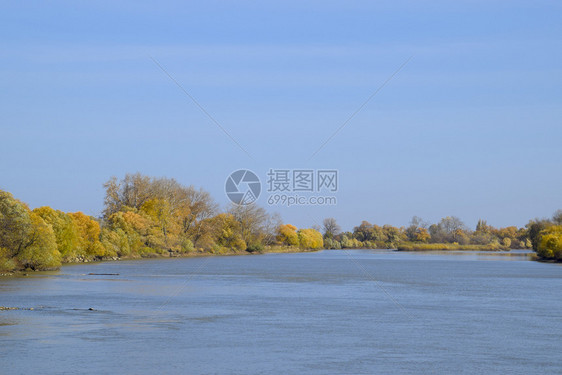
(255, 248)
(187, 246)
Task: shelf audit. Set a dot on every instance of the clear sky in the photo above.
(471, 126)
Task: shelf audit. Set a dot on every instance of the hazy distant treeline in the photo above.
(542, 235)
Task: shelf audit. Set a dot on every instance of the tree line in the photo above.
(544, 236)
(142, 217)
(145, 216)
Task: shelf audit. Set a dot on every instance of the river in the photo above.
(328, 312)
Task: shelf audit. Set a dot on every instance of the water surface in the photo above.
(329, 312)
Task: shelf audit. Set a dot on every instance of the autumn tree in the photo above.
(42, 252)
(163, 232)
(550, 243)
(421, 235)
(482, 226)
(227, 232)
(310, 239)
(16, 227)
(132, 191)
(287, 235)
(394, 235)
(26, 241)
(414, 231)
(88, 229)
(126, 232)
(65, 230)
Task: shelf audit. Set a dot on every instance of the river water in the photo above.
(328, 312)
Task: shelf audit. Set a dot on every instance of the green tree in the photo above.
(534, 229)
(394, 235)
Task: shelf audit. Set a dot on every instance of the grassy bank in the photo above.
(449, 246)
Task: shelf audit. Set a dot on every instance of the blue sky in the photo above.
(471, 126)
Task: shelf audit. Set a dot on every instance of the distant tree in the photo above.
(394, 235)
(534, 229)
(422, 235)
(363, 232)
(550, 243)
(557, 217)
(449, 229)
(437, 233)
(482, 226)
(451, 223)
(330, 227)
(419, 222)
(412, 232)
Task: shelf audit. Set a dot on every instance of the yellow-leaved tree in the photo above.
(88, 229)
(310, 239)
(287, 235)
(550, 243)
(42, 252)
(227, 232)
(66, 232)
(26, 241)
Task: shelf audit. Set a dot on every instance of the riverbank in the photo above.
(191, 254)
(449, 246)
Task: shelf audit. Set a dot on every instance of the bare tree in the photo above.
(331, 227)
(557, 217)
(253, 221)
